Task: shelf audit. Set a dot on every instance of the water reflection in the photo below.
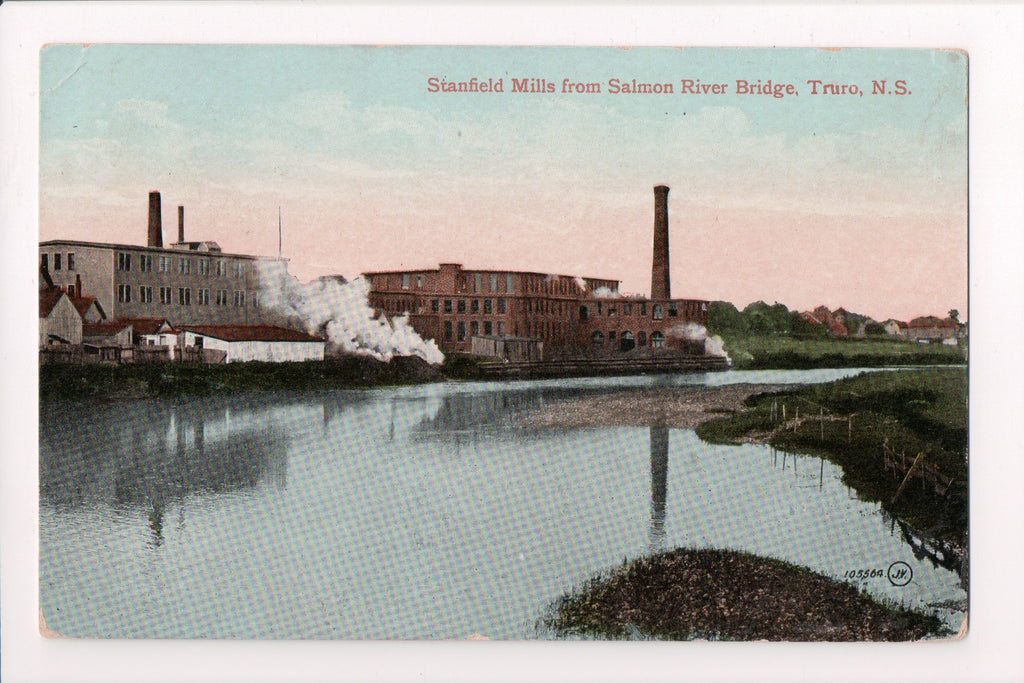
(156, 454)
(659, 486)
(937, 552)
(352, 502)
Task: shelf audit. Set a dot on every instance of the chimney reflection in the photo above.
(659, 487)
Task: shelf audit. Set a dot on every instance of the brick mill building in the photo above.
(185, 282)
(540, 314)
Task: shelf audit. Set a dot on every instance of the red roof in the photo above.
(105, 329)
(48, 298)
(147, 325)
(930, 321)
(82, 303)
(235, 333)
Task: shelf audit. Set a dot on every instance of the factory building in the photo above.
(186, 282)
(563, 315)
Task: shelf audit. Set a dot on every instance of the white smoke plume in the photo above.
(605, 293)
(581, 283)
(341, 312)
(713, 346)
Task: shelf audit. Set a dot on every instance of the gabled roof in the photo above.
(234, 333)
(83, 303)
(148, 325)
(48, 298)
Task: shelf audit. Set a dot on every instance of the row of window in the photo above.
(165, 264)
(478, 282)
(657, 310)
(459, 305)
(474, 328)
(59, 261)
(559, 285)
(626, 339)
(184, 296)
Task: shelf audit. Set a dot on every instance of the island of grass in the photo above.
(710, 594)
(861, 422)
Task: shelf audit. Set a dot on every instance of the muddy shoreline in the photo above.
(677, 408)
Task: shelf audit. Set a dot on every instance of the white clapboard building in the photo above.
(253, 342)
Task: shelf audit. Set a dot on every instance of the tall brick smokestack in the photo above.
(661, 286)
(156, 232)
(181, 224)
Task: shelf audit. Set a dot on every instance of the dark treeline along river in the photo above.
(414, 512)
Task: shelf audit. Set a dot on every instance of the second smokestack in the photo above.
(661, 286)
(156, 232)
(181, 224)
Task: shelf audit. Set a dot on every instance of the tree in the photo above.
(954, 315)
(725, 321)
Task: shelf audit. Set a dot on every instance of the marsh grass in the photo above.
(714, 594)
(908, 411)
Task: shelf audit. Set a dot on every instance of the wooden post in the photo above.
(913, 467)
(783, 412)
(821, 421)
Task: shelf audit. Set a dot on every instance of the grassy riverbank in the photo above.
(784, 352)
(70, 381)
(853, 421)
(687, 594)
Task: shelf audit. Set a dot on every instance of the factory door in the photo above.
(626, 342)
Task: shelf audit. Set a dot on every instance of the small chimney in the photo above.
(78, 286)
(156, 233)
(661, 286)
(181, 224)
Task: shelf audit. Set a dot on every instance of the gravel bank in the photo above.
(679, 408)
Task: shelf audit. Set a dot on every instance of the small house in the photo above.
(59, 319)
(252, 343)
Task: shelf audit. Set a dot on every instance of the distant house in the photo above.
(833, 322)
(929, 327)
(59, 319)
(253, 342)
(895, 328)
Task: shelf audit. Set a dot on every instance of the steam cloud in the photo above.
(341, 312)
(604, 293)
(713, 346)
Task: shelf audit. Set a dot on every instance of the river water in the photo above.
(418, 512)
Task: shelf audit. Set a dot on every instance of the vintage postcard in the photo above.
(508, 343)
